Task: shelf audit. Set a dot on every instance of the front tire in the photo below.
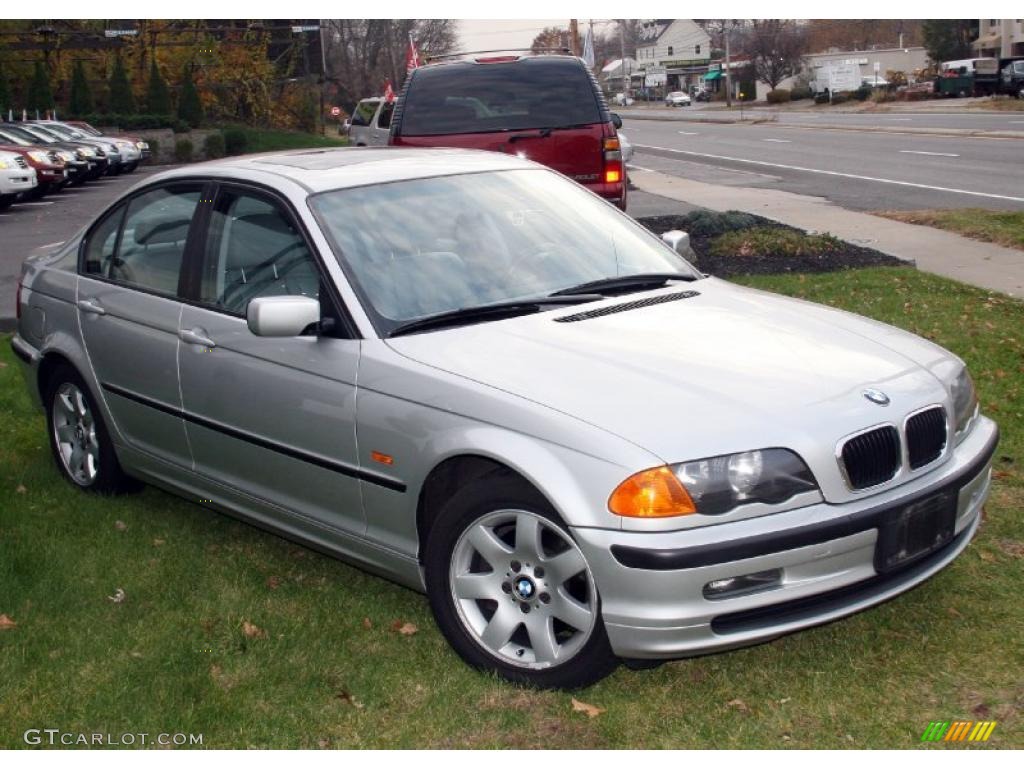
(79, 440)
(510, 589)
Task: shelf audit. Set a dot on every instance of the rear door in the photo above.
(129, 309)
(545, 109)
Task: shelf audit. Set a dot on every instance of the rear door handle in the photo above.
(197, 336)
(91, 306)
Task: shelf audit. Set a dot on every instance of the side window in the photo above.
(384, 119)
(254, 249)
(99, 251)
(364, 112)
(152, 245)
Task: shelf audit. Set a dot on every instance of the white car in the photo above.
(625, 147)
(622, 100)
(677, 99)
(16, 176)
(370, 123)
(466, 372)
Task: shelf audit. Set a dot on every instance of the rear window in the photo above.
(364, 112)
(507, 96)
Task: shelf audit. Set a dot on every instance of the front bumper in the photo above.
(14, 180)
(651, 584)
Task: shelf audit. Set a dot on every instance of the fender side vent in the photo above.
(626, 306)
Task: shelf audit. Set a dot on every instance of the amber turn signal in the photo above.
(652, 493)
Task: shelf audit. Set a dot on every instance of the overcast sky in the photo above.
(491, 34)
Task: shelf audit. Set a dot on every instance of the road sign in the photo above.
(335, 111)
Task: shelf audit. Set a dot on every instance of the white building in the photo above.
(1000, 38)
(676, 48)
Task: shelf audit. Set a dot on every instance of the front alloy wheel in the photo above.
(511, 590)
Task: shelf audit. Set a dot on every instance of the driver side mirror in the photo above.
(616, 121)
(282, 316)
(679, 242)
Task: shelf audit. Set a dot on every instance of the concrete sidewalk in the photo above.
(933, 250)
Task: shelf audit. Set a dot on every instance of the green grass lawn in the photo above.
(1000, 227)
(269, 140)
(322, 664)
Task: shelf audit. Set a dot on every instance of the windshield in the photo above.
(419, 248)
(507, 96)
(14, 138)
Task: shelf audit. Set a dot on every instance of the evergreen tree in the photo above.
(190, 108)
(947, 39)
(122, 101)
(81, 97)
(158, 97)
(5, 95)
(40, 96)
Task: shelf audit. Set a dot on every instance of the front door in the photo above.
(129, 309)
(272, 417)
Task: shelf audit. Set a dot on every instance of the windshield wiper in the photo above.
(468, 315)
(625, 283)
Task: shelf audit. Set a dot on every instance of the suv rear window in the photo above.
(505, 96)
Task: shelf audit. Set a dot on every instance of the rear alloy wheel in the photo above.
(79, 439)
(512, 591)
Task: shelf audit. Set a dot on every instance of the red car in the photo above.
(547, 108)
(51, 171)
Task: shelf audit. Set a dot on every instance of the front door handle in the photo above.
(197, 336)
(91, 306)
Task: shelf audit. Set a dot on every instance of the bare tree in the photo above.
(363, 53)
(776, 48)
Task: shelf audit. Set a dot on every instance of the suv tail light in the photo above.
(612, 161)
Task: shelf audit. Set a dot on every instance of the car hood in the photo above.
(726, 370)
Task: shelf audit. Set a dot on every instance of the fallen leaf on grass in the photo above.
(1011, 547)
(367, 624)
(323, 743)
(273, 582)
(21, 489)
(6, 622)
(988, 557)
(251, 630)
(159, 542)
(404, 628)
(739, 704)
(954, 612)
(118, 597)
(785, 701)
(121, 525)
(588, 709)
(344, 695)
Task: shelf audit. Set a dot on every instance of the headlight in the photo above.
(713, 486)
(142, 145)
(39, 157)
(4, 164)
(67, 157)
(86, 152)
(965, 401)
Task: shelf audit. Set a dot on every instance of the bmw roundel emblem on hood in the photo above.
(876, 396)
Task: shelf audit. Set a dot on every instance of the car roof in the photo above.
(318, 170)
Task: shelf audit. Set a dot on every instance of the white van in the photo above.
(371, 122)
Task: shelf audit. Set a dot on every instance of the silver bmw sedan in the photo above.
(466, 373)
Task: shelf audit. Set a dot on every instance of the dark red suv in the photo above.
(547, 108)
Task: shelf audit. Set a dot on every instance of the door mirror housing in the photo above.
(616, 120)
(282, 316)
(679, 241)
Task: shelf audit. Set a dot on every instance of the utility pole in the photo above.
(728, 75)
(574, 37)
(323, 78)
(626, 81)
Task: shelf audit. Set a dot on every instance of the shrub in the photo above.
(190, 108)
(214, 146)
(80, 102)
(881, 96)
(40, 96)
(779, 96)
(158, 96)
(154, 148)
(801, 92)
(183, 150)
(862, 93)
(704, 223)
(774, 241)
(840, 98)
(180, 126)
(236, 142)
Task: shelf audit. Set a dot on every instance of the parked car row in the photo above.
(42, 157)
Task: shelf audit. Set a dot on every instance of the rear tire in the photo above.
(511, 591)
(79, 440)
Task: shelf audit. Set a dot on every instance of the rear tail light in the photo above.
(612, 161)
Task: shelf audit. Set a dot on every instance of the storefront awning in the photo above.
(713, 75)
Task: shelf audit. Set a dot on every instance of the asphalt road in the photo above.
(947, 118)
(865, 171)
(26, 226)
